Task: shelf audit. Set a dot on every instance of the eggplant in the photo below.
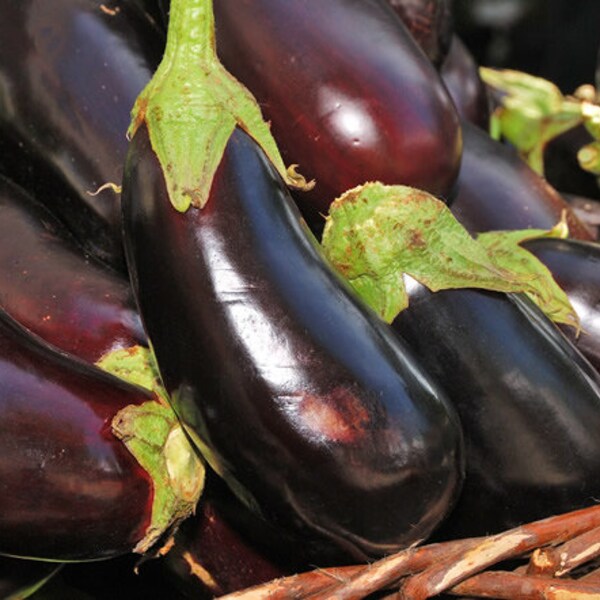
(431, 24)
(53, 288)
(460, 74)
(298, 395)
(562, 169)
(529, 405)
(576, 267)
(70, 71)
(211, 557)
(71, 489)
(350, 96)
(496, 190)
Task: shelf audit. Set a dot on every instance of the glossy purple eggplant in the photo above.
(431, 24)
(70, 71)
(297, 393)
(529, 404)
(70, 489)
(562, 169)
(350, 96)
(460, 75)
(576, 267)
(210, 557)
(497, 190)
(50, 286)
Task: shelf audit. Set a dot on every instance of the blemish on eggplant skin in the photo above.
(338, 416)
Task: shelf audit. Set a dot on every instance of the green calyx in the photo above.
(192, 105)
(375, 234)
(532, 112)
(155, 437)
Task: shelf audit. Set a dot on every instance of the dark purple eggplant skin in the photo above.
(350, 96)
(497, 190)
(431, 24)
(575, 265)
(562, 169)
(460, 74)
(69, 489)
(528, 401)
(53, 288)
(228, 559)
(70, 71)
(303, 395)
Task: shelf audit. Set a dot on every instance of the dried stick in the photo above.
(295, 586)
(592, 576)
(438, 567)
(480, 555)
(323, 583)
(389, 570)
(560, 560)
(510, 586)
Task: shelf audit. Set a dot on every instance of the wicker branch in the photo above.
(456, 567)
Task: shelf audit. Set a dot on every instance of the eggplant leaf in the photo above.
(375, 234)
(191, 107)
(505, 248)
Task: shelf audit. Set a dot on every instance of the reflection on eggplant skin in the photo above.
(69, 75)
(576, 267)
(528, 401)
(497, 190)
(349, 94)
(302, 397)
(65, 471)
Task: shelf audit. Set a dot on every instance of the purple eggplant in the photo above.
(299, 396)
(50, 286)
(529, 404)
(497, 190)
(431, 24)
(576, 267)
(460, 74)
(350, 96)
(71, 488)
(70, 71)
(210, 557)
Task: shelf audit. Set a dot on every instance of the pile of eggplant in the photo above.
(193, 399)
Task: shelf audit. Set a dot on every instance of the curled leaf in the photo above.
(375, 234)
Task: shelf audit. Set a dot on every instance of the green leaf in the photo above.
(192, 105)
(505, 250)
(155, 437)
(589, 157)
(533, 111)
(375, 234)
(135, 365)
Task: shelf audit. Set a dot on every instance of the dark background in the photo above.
(555, 39)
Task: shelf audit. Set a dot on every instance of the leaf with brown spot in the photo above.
(375, 234)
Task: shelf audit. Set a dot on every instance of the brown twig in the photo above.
(353, 582)
(591, 577)
(449, 572)
(389, 570)
(560, 560)
(510, 586)
(455, 566)
(295, 586)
